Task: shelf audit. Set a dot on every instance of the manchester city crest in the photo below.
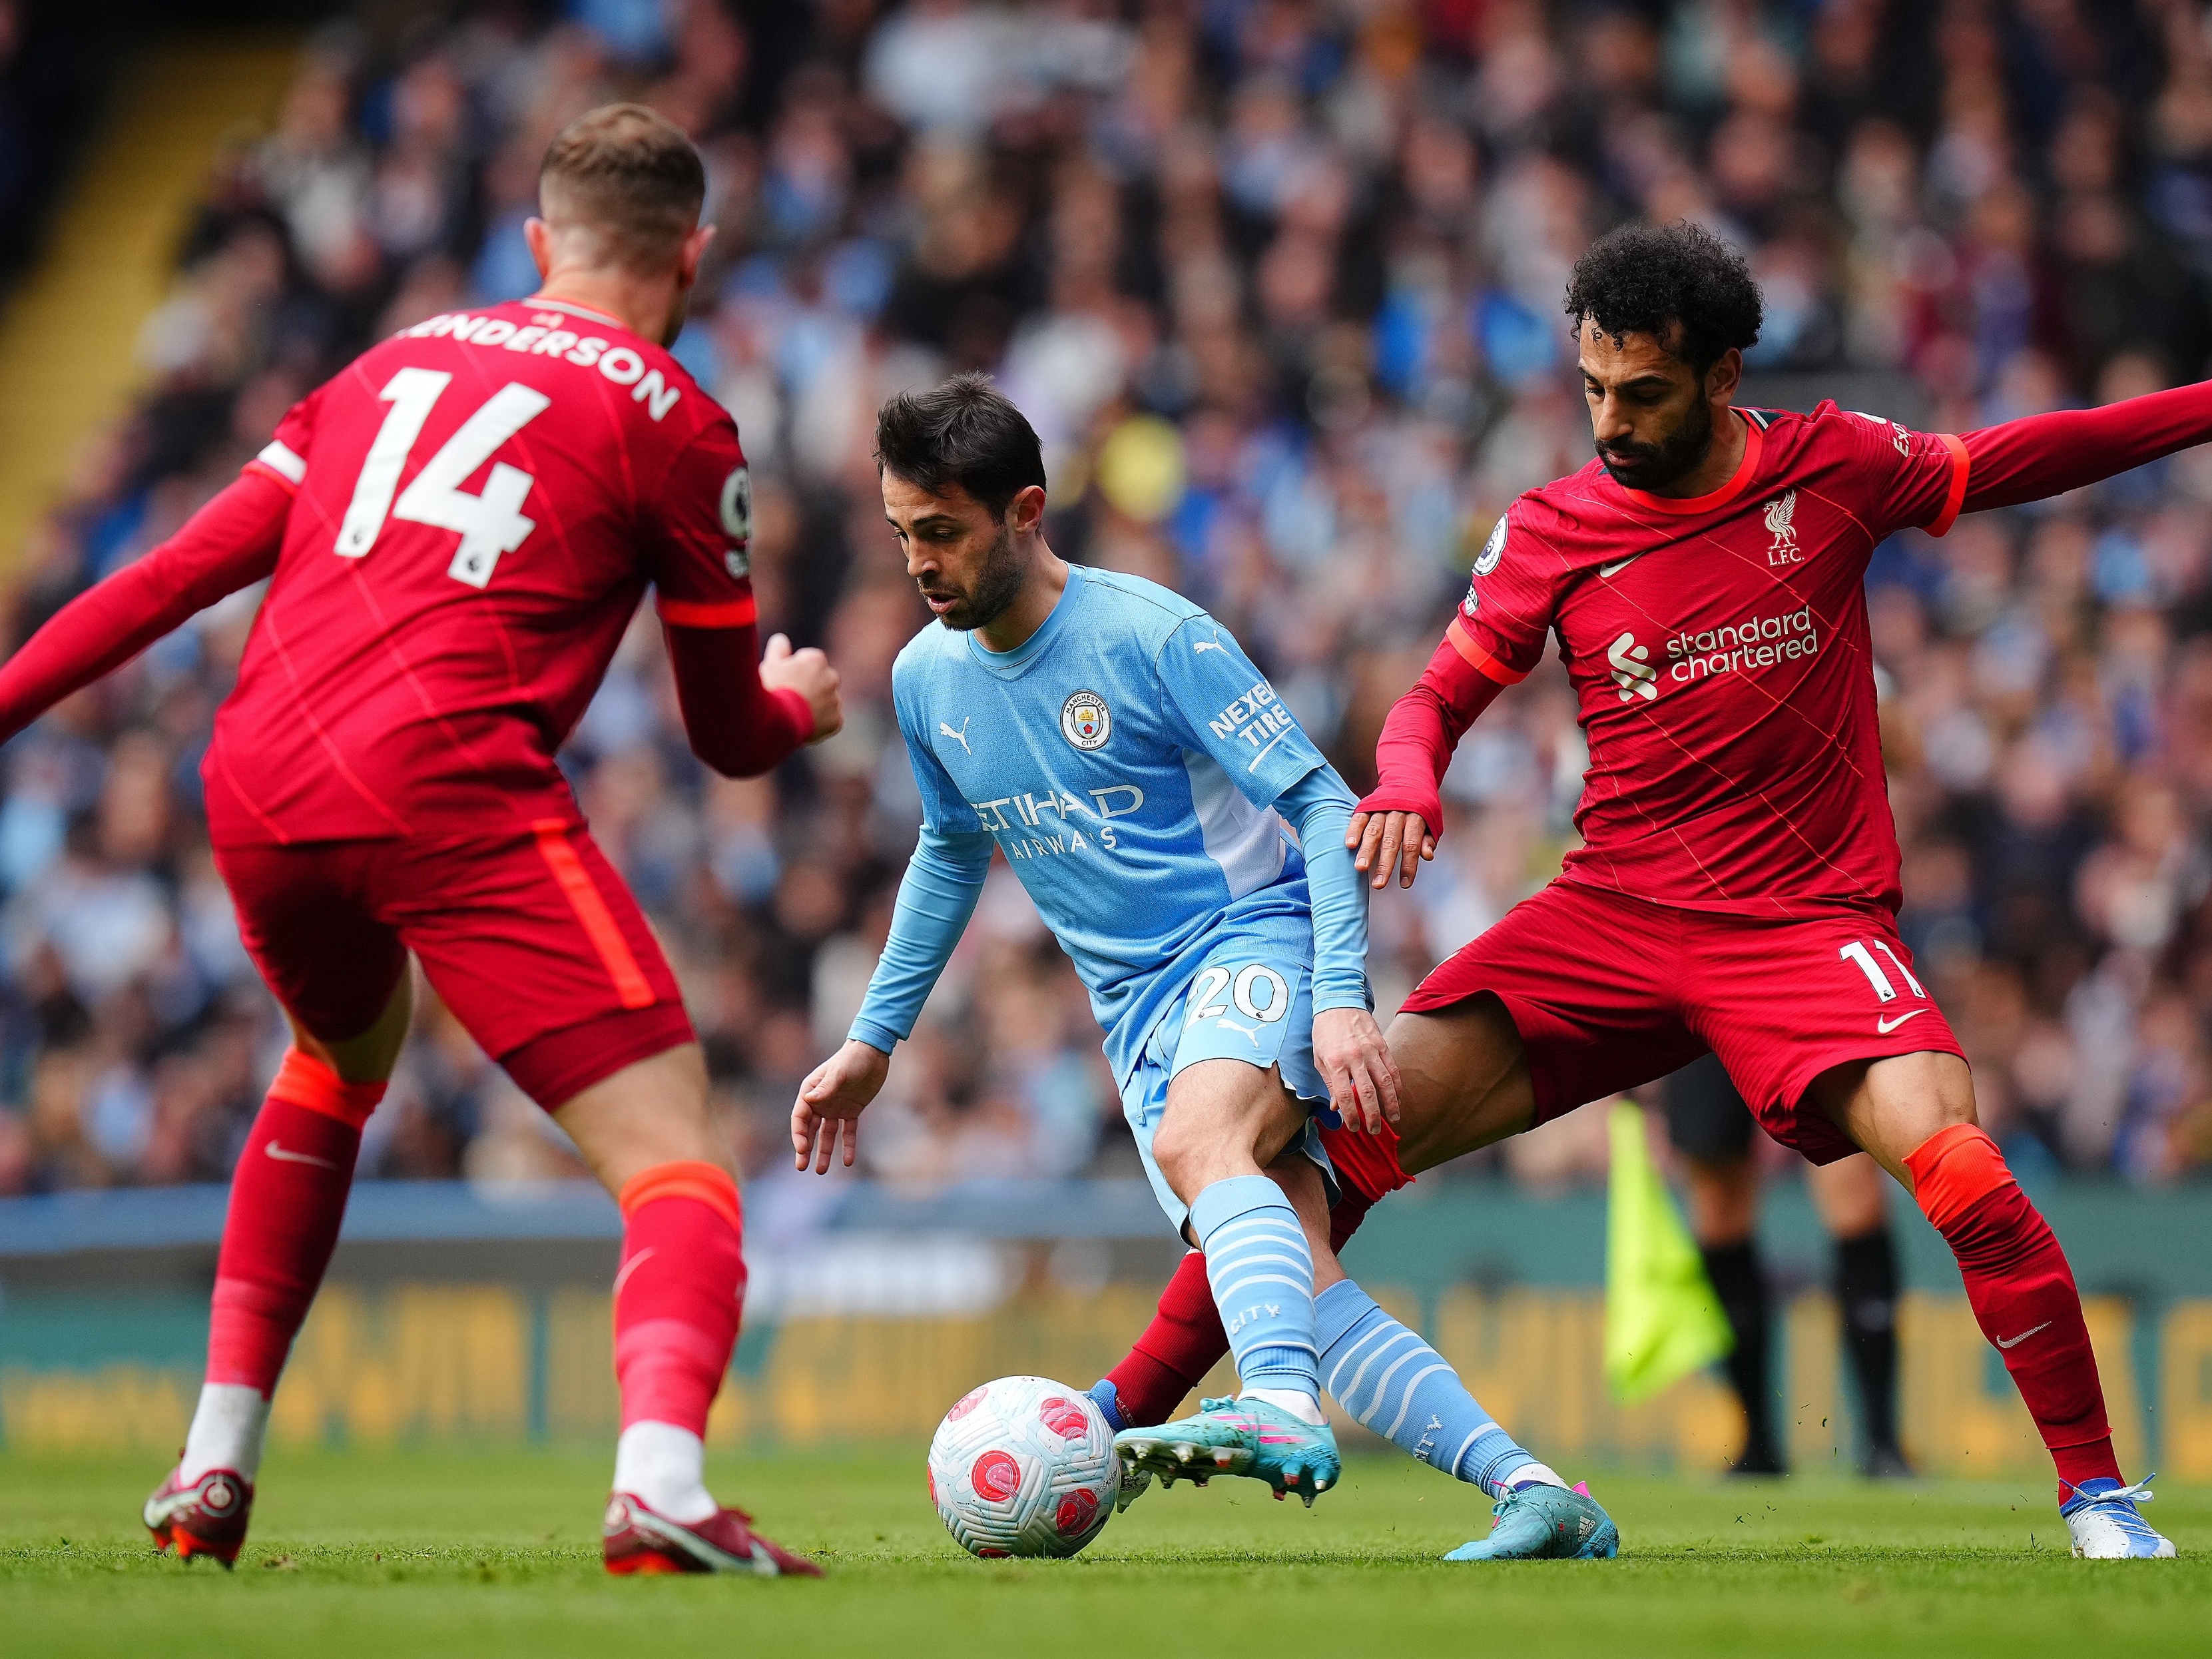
(1084, 720)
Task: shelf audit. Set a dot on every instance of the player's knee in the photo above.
(1954, 1170)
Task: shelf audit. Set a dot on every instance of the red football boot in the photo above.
(205, 1518)
(639, 1540)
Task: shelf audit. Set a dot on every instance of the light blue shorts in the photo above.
(1250, 998)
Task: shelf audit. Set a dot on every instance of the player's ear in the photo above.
(1724, 376)
(539, 236)
(689, 255)
(1026, 510)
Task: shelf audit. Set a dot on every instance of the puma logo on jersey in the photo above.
(1779, 512)
(961, 736)
(1634, 676)
(1214, 644)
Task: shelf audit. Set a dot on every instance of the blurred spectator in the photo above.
(1278, 281)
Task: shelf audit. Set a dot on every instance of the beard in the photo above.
(1654, 466)
(997, 584)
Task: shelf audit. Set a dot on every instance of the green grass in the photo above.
(489, 1553)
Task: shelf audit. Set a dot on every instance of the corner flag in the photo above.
(1661, 1319)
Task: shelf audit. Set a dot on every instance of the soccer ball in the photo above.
(1024, 1465)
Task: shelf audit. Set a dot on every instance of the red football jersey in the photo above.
(1719, 650)
(481, 501)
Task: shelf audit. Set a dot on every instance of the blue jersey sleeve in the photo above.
(1321, 806)
(943, 880)
(944, 808)
(1224, 706)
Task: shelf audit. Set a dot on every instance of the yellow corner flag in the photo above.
(1661, 1319)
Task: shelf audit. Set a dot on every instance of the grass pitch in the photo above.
(491, 1553)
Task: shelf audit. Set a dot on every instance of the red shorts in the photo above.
(530, 937)
(1366, 1164)
(1610, 992)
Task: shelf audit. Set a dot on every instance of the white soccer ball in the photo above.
(1024, 1465)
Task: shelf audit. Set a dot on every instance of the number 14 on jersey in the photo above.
(489, 523)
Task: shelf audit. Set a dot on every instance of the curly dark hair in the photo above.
(1641, 279)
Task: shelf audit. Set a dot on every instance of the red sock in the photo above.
(2022, 1293)
(287, 1198)
(1185, 1339)
(678, 1292)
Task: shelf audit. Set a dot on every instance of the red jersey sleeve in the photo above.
(699, 523)
(1511, 596)
(284, 457)
(1905, 480)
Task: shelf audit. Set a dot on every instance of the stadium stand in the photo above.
(1279, 281)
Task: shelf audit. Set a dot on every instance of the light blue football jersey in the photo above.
(1125, 758)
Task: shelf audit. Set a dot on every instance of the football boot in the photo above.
(638, 1539)
(207, 1517)
(1245, 1437)
(2105, 1522)
(1544, 1522)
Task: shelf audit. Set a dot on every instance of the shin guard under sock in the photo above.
(2022, 1293)
(678, 1293)
(1394, 1383)
(1866, 1295)
(287, 1196)
(1262, 1270)
(1185, 1339)
(1740, 1281)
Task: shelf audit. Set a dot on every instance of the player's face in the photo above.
(1650, 413)
(962, 558)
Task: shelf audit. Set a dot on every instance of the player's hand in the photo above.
(1363, 1078)
(830, 1101)
(1388, 840)
(809, 673)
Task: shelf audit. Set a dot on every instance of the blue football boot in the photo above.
(1541, 1523)
(1244, 1437)
(2105, 1524)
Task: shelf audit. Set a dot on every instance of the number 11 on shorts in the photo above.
(1884, 989)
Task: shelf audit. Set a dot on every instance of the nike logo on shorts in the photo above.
(2022, 1337)
(1886, 1026)
(277, 1152)
(1615, 569)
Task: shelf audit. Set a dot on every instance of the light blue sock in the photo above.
(1261, 1272)
(1397, 1385)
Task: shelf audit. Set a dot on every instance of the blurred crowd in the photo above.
(1279, 282)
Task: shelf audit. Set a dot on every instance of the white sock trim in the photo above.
(1531, 1474)
(666, 1466)
(1303, 1407)
(229, 1427)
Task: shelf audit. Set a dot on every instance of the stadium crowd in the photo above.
(1278, 281)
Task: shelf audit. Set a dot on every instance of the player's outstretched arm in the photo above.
(2044, 455)
(1348, 1045)
(1397, 825)
(936, 896)
(743, 715)
(229, 543)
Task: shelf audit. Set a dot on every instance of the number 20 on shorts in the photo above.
(1245, 985)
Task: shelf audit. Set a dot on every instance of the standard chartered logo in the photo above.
(1754, 642)
(1634, 676)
